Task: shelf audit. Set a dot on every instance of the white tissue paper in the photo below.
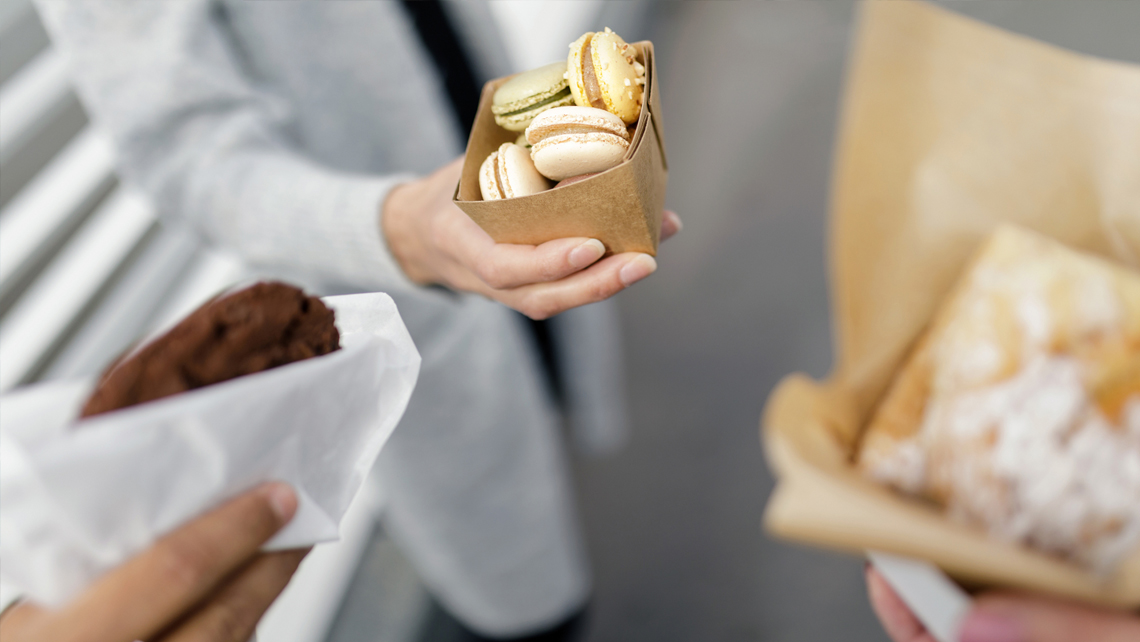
(78, 501)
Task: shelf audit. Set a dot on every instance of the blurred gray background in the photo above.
(750, 94)
(750, 98)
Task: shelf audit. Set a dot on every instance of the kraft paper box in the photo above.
(620, 207)
(949, 129)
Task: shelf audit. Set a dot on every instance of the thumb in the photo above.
(1010, 618)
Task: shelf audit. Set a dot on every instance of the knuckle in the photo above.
(229, 621)
(438, 233)
(284, 564)
(551, 268)
(600, 289)
(603, 290)
(538, 314)
(537, 307)
(185, 562)
(257, 519)
(491, 274)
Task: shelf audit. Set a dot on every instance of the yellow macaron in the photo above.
(604, 73)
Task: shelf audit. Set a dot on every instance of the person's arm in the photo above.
(203, 581)
(1004, 617)
(207, 144)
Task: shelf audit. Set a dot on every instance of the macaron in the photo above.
(604, 73)
(530, 93)
(570, 141)
(508, 173)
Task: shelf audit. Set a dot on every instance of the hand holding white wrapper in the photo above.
(78, 500)
(934, 599)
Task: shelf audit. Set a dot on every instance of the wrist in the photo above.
(397, 228)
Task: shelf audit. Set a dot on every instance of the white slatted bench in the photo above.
(86, 269)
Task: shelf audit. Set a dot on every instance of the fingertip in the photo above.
(670, 225)
(282, 500)
(586, 254)
(639, 267)
(877, 589)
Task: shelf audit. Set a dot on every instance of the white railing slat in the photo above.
(214, 272)
(46, 205)
(30, 99)
(50, 305)
(123, 315)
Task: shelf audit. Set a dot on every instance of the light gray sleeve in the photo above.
(208, 146)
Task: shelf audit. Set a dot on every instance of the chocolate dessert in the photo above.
(263, 326)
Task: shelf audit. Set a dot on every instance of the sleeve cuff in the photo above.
(356, 248)
(279, 210)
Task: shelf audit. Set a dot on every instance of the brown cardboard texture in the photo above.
(620, 207)
(950, 128)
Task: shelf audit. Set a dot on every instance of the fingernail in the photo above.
(282, 500)
(640, 267)
(678, 222)
(991, 627)
(587, 253)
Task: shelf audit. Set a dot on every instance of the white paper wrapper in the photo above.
(76, 502)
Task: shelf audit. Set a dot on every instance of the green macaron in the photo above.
(530, 93)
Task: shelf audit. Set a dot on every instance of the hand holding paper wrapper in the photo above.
(949, 129)
(79, 502)
(226, 584)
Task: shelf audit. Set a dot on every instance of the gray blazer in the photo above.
(277, 130)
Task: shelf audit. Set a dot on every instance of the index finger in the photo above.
(145, 595)
(505, 265)
(898, 621)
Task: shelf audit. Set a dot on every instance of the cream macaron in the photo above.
(604, 73)
(509, 172)
(570, 141)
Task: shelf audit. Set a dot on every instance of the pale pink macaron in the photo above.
(572, 180)
(508, 173)
(570, 141)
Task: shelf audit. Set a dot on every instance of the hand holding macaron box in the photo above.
(571, 149)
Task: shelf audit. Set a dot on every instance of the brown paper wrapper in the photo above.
(620, 207)
(949, 129)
